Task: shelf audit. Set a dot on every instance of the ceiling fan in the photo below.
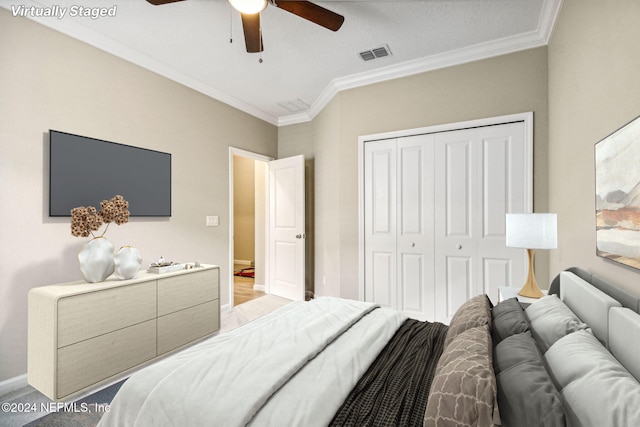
(250, 11)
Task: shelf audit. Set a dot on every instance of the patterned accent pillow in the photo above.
(474, 312)
(463, 392)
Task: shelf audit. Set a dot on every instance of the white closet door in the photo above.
(478, 178)
(434, 216)
(380, 222)
(415, 235)
(399, 225)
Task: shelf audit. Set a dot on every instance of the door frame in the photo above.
(526, 117)
(233, 151)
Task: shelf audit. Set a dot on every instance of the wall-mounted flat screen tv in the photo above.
(84, 171)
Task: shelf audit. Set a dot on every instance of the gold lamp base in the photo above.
(530, 288)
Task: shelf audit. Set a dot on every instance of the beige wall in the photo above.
(50, 81)
(593, 90)
(244, 209)
(507, 84)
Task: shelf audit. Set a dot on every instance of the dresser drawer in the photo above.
(182, 327)
(186, 290)
(88, 362)
(85, 316)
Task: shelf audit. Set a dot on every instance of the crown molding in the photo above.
(530, 40)
(79, 32)
(539, 37)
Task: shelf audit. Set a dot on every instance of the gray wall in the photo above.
(593, 90)
(50, 81)
(504, 85)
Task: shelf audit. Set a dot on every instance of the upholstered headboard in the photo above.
(589, 303)
(626, 299)
(597, 373)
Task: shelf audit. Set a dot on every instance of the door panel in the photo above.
(412, 280)
(504, 178)
(496, 270)
(481, 179)
(458, 283)
(287, 228)
(399, 224)
(380, 222)
(382, 283)
(415, 227)
(457, 180)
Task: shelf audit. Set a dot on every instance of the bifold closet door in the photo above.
(434, 217)
(399, 215)
(479, 176)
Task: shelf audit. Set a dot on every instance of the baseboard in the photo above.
(13, 384)
(224, 308)
(259, 288)
(242, 262)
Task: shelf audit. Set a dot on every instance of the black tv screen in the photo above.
(84, 171)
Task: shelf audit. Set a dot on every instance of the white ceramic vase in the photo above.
(96, 260)
(127, 262)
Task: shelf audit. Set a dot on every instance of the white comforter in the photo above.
(292, 367)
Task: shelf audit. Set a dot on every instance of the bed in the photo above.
(571, 358)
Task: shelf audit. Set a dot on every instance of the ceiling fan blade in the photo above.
(161, 2)
(312, 12)
(252, 33)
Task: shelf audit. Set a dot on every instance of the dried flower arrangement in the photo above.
(86, 220)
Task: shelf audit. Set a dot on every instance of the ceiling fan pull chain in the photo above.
(261, 47)
(230, 23)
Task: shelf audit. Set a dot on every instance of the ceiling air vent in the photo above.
(378, 52)
(294, 106)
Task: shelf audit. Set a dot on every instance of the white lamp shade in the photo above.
(249, 6)
(532, 231)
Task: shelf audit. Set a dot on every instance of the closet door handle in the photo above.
(459, 247)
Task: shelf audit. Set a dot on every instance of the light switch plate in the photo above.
(212, 221)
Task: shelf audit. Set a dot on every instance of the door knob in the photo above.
(300, 236)
(413, 245)
(459, 246)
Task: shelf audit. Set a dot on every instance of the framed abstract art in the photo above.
(617, 161)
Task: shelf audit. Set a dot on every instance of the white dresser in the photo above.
(83, 334)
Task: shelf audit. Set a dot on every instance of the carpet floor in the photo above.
(28, 407)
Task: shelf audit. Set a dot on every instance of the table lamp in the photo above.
(532, 231)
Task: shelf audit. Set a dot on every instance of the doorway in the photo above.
(279, 242)
(248, 193)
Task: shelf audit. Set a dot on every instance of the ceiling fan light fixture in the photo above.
(249, 7)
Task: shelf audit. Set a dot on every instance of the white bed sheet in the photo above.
(310, 353)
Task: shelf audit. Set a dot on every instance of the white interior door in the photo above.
(479, 177)
(287, 228)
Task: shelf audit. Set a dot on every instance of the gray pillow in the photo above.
(598, 390)
(513, 350)
(508, 319)
(550, 320)
(574, 356)
(526, 394)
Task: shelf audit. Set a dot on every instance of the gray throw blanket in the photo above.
(395, 389)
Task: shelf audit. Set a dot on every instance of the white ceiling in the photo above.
(189, 42)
